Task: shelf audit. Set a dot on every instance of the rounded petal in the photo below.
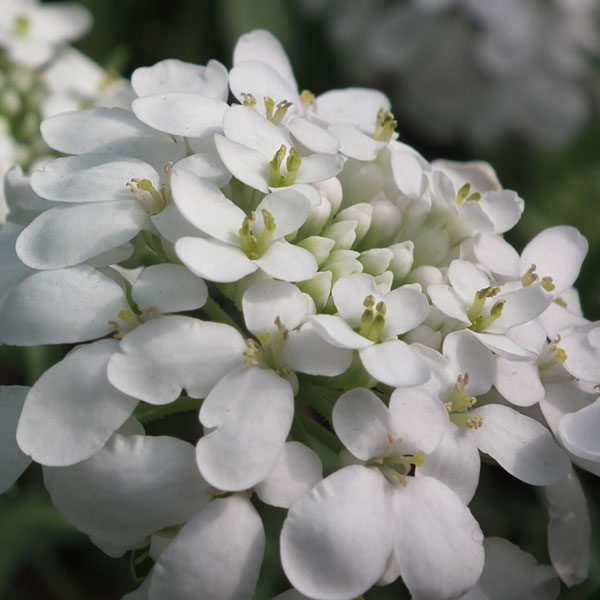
(160, 358)
(262, 46)
(522, 446)
(455, 462)
(155, 478)
(336, 331)
(288, 262)
(356, 144)
(246, 164)
(436, 533)
(13, 461)
(214, 260)
(219, 552)
(296, 472)
(91, 178)
(319, 167)
(569, 530)
(262, 81)
(354, 106)
(466, 279)
(518, 382)
(503, 346)
(420, 419)
(313, 136)
(185, 114)
(496, 254)
(583, 352)
(232, 457)
(169, 288)
(335, 541)
(503, 207)
(60, 307)
(520, 307)
(406, 308)
(363, 423)
(68, 235)
(306, 351)
(445, 299)
(173, 75)
(264, 301)
(349, 294)
(289, 209)
(557, 252)
(72, 410)
(204, 206)
(579, 432)
(110, 131)
(394, 363)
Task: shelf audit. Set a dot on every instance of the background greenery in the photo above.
(41, 557)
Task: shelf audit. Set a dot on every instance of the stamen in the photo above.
(385, 125)
(252, 246)
(373, 319)
(21, 26)
(308, 99)
(151, 200)
(467, 420)
(249, 100)
(293, 162)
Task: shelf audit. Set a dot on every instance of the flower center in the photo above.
(532, 277)
(151, 200)
(552, 355)
(279, 177)
(459, 403)
(254, 247)
(372, 320)
(129, 320)
(385, 125)
(463, 195)
(479, 321)
(266, 353)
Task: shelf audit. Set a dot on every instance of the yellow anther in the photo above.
(249, 100)
(21, 26)
(560, 302)
(307, 98)
(462, 194)
(547, 284)
(385, 125)
(369, 301)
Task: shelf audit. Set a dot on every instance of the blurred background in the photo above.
(515, 83)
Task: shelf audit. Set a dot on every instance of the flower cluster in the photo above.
(343, 317)
(41, 75)
(475, 70)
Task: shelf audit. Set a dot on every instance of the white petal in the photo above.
(445, 299)
(248, 400)
(204, 206)
(319, 167)
(63, 306)
(337, 332)
(158, 359)
(313, 136)
(579, 432)
(335, 541)
(206, 163)
(306, 351)
(288, 262)
(496, 254)
(72, 409)
(173, 75)
(363, 423)
(503, 346)
(296, 472)
(214, 260)
(155, 478)
(455, 462)
(289, 209)
(264, 301)
(110, 130)
(350, 292)
(406, 308)
(246, 164)
(356, 106)
(569, 530)
(503, 207)
(172, 225)
(245, 126)
(583, 353)
(170, 288)
(436, 533)
(394, 363)
(13, 461)
(219, 552)
(511, 573)
(421, 420)
(466, 279)
(356, 144)
(262, 46)
(522, 446)
(557, 252)
(408, 174)
(520, 307)
(179, 113)
(518, 382)
(261, 81)
(71, 234)
(91, 178)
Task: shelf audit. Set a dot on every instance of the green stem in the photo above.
(217, 314)
(319, 432)
(145, 413)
